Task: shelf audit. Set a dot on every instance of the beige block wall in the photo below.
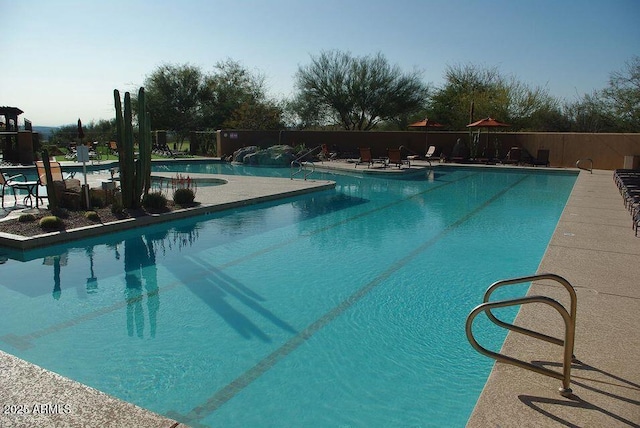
(607, 151)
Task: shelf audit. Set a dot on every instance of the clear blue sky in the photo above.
(61, 59)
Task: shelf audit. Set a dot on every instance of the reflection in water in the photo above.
(56, 261)
(92, 281)
(140, 264)
(57, 291)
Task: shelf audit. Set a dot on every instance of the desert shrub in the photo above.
(92, 215)
(154, 201)
(51, 222)
(24, 218)
(97, 201)
(183, 196)
(116, 205)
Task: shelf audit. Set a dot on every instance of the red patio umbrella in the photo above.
(488, 123)
(426, 123)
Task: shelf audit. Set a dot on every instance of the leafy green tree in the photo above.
(471, 93)
(355, 93)
(234, 97)
(468, 88)
(174, 98)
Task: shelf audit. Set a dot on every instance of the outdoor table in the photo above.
(32, 191)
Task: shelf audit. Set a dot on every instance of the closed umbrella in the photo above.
(80, 131)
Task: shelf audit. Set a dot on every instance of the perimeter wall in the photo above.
(608, 151)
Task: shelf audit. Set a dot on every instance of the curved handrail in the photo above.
(565, 376)
(590, 169)
(298, 161)
(557, 278)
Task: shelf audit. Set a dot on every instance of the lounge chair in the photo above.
(542, 158)
(19, 181)
(395, 158)
(514, 156)
(429, 155)
(366, 157)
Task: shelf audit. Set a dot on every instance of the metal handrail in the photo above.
(569, 318)
(590, 169)
(557, 278)
(298, 161)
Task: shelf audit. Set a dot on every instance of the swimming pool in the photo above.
(339, 308)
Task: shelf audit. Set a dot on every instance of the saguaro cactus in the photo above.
(135, 175)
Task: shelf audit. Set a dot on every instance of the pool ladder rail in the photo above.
(305, 167)
(590, 168)
(569, 318)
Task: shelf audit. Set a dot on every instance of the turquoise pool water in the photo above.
(340, 308)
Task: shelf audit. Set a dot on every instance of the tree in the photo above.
(467, 87)
(174, 98)
(589, 114)
(482, 92)
(234, 97)
(355, 92)
(623, 96)
(102, 131)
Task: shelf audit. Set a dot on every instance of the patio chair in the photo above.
(366, 157)
(542, 158)
(395, 158)
(13, 183)
(113, 148)
(67, 189)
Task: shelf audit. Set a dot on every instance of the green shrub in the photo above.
(51, 222)
(24, 218)
(92, 215)
(183, 196)
(154, 201)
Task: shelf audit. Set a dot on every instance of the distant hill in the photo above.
(45, 131)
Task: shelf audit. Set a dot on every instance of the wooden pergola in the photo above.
(10, 132)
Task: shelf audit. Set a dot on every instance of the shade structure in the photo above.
(426, 123)
(488, 122)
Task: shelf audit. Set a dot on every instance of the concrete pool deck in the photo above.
(593, 247)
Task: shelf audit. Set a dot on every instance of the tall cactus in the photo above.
(135, 175)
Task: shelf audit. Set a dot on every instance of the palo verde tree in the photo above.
(482, 92)
(355, 93)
